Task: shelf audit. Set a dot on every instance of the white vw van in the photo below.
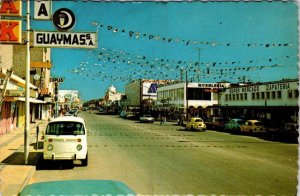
(66, 139)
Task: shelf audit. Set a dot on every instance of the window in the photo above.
(279, 94)
(290, 94)
(262, 95)
(253, 95)
(226, 97)
(245, 96)
(241, 95)
(268, 95)
(229, 97)
(296, 93)
(237, 96)
(257, 95)
(65, 128)
(233, 97)
(273, 95)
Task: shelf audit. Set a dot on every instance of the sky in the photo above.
(210, 41)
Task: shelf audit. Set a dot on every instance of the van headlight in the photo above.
(50, 147)
(79, 147)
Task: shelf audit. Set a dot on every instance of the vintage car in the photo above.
(253, 127)
(147, 118)
(195, 123)
(66, 139)
(78, 187)
(215, 123)
(234, 125)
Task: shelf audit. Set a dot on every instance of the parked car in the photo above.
(78, 187)
(253, 127)
(72, 131)
(215, 123)
(147, 118)
(234, 125)
(74, 112)
(129, 115)
(289, 132)
(196, 123)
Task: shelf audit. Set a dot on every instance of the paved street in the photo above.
(166, 159)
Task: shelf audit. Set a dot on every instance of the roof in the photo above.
(78, 187)
(68, 118)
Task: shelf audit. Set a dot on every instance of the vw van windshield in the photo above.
(65, 128)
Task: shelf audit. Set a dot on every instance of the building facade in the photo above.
(272, 100)
(195, 99)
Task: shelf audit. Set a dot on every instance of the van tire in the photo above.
(84, 162)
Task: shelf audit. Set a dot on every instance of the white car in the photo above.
(66, 139)
(147, 118)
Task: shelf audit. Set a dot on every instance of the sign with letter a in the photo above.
(42, 9)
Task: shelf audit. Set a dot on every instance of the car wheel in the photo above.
(84, 162)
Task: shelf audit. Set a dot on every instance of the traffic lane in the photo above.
(167, 149)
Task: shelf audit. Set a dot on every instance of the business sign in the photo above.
(51, 39)
(56, 79)
(10, 31)
(10, 8)
(42, 9)
(63, 19)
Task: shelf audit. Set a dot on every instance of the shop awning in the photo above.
(31, 100)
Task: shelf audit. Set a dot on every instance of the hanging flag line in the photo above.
(124, 57)
(139, 35)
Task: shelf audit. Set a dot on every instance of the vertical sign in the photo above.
(10, 30)
(42, 9)
(10, 8)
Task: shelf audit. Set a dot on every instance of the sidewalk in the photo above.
(14, 174)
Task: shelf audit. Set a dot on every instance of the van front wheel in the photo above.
(84, 162)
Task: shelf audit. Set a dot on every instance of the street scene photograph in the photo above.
(149, 97)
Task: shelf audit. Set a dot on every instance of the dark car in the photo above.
(215, 123)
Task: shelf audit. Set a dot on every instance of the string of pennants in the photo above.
(140, 35)
(108, 65)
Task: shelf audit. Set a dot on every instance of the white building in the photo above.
(141, 93)
(271, 100)
(199, 98)
(112, 96)
(68, 98)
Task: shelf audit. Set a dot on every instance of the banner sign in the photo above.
(10, 8)
(10, 31)
(53, 39)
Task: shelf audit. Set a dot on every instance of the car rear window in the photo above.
(198, 120)
(65, 128)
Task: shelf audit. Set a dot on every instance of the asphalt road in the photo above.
(166, 159)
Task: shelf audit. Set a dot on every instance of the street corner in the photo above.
(13, 178)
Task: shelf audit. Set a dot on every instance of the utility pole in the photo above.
(27, 89)
(198, 69)
(186, 94)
